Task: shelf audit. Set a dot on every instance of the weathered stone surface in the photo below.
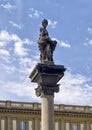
(47, 112)
(46, 45)
(47, 77)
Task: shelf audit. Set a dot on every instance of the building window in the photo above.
(30, 125)
(2, 124)
(67, 126)
(81, 126)
(74, 127)
(22, 125)
(56, 125)
(14, 125)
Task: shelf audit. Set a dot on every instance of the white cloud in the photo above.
(52, 23)
(27, 41)
(8, 6)
(4, 52)
(90, 30)
(15, 38)
(62, 43)
(15, 58)
(6, 38)
(27, 64)
(19, 49)
(88, 42)
(26, 61)
(5, 58)
(7, 68)
(19, 26)
(16, 63)
(24, 89)
(74, 89)
(1, 44)
(15, 52)
(34, 13)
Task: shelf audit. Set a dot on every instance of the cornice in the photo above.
(73, 114)
(38, 112)
(21, 111)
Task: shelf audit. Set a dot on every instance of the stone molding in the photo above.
(47, 77)
(14, 105)
(38, 112)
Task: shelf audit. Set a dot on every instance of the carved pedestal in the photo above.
(47, 77)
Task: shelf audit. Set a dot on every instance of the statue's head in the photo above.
(44, 23)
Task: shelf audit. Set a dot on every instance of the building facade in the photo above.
(27, 116)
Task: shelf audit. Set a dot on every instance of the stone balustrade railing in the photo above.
(34, 105)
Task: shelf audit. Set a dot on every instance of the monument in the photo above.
(46, 74)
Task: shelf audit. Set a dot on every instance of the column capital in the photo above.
(44, 89)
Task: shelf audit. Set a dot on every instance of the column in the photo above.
(62, 124)
(37, 124)
(8, 123)
(47, 116)
(47, 77)
(87, 126)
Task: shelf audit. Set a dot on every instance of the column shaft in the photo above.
(62, 124)
(8, 123)
(88, 126)
(37, 124)
(47, 115)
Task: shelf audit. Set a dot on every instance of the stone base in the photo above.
(47, 77)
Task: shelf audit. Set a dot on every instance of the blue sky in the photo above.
(70, 23)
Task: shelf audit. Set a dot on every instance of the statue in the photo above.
(46, 45)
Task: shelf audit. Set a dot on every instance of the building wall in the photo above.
(19, 115)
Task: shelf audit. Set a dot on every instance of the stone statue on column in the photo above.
(46, 74)
(46, 45)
